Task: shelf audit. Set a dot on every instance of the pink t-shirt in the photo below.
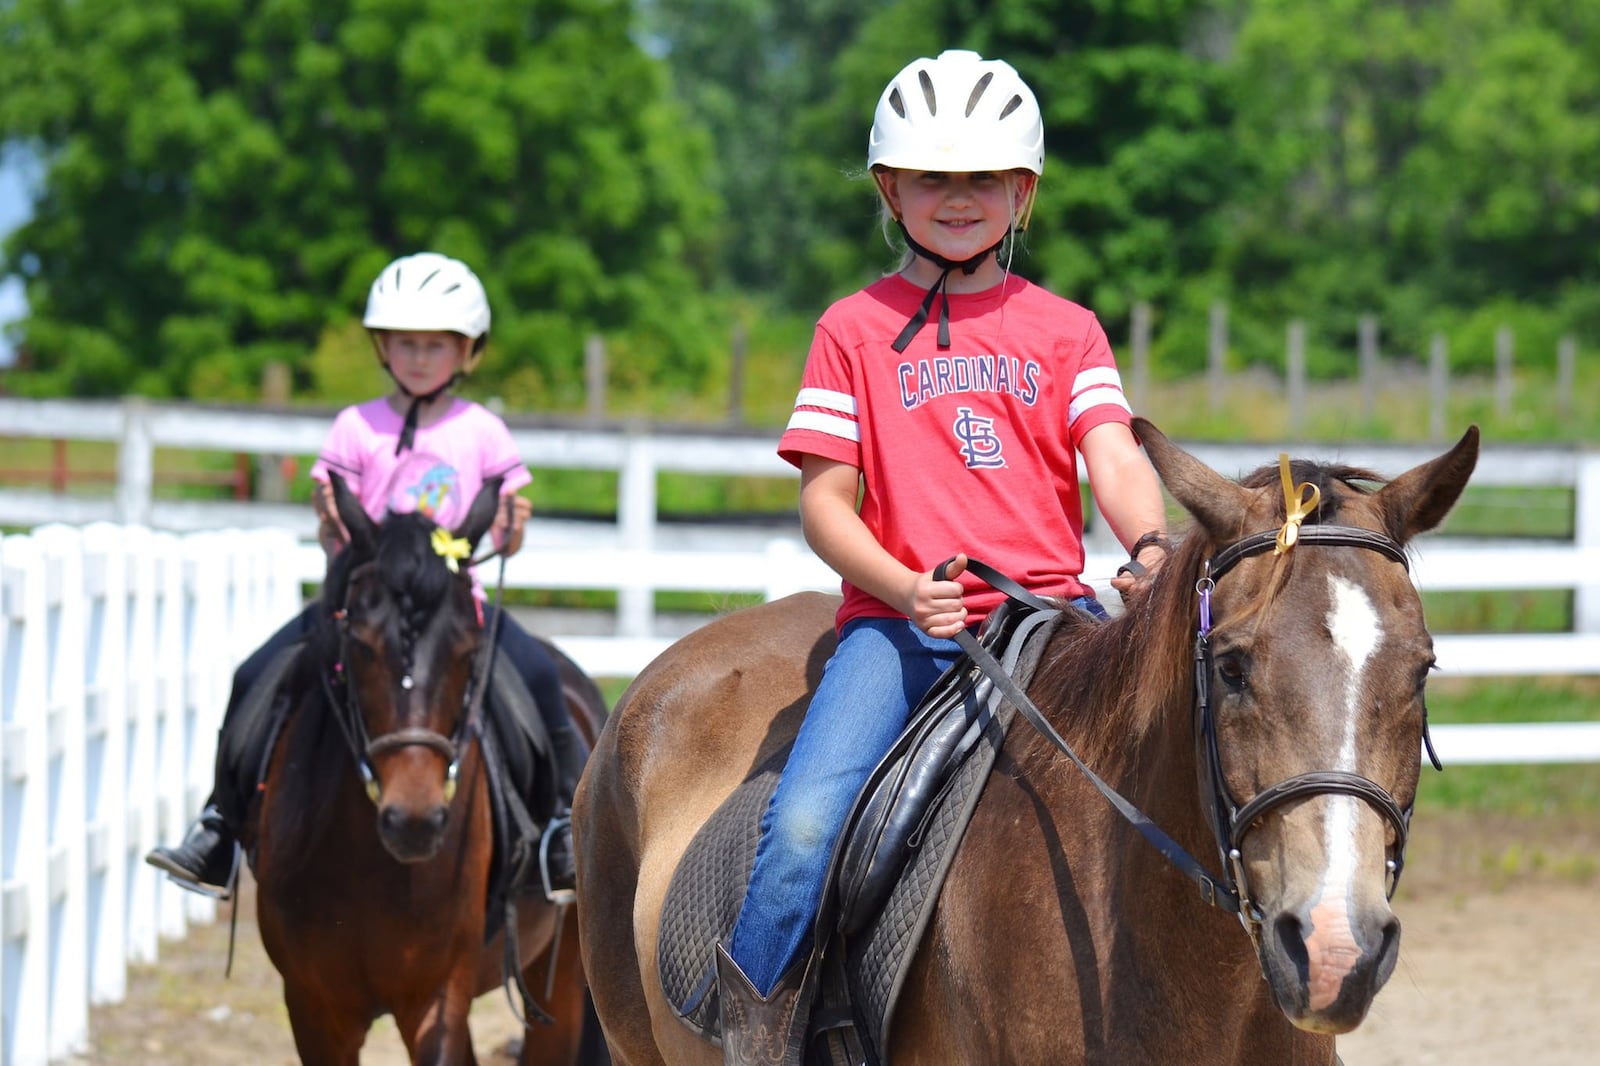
(967, 449)
(439, 475)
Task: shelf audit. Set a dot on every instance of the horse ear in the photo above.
(1418, 500)
(480, 516)
(1216, 503)
(362, 529)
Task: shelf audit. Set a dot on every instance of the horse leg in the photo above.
(324, 1035)
(437, 1034)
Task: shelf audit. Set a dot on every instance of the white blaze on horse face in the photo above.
(1356, 630)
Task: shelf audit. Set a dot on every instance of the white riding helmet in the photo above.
(959, 113)
(430, 291)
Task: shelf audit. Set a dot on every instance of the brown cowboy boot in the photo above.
(763, 1031)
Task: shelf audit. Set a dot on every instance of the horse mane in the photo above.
(1114, 682)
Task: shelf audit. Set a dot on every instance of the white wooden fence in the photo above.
(117, 647)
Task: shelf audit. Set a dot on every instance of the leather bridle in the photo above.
(353, 724)
(1230, 821)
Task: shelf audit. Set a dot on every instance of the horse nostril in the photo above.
(1291, 934)
(439, 819)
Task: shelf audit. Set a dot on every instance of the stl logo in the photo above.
(979, 445)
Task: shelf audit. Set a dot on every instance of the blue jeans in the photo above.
(878, 674)
(880, 670)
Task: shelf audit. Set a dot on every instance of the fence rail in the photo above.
(640, 454)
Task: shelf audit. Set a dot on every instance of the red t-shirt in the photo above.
(968, 449)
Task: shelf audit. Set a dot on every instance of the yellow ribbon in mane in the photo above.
(450, 549)
(1296, 504)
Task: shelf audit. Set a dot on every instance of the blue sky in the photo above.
(13, 211)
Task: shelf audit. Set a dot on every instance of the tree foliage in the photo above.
(225, 177)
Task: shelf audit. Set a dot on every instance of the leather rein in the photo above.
(1230, 821)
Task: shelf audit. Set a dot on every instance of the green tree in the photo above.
(223, 178)
(750, 70)
(1417, 161)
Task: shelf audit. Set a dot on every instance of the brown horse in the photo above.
(373, 841)
(1061, 936)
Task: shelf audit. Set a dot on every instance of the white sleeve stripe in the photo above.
(1099, 375)
(832, 425)
(1095, 398)
(828, 399)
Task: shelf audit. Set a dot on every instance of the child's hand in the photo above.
(1148, 554)
(936, 605)
(508, 522)
(331, 533)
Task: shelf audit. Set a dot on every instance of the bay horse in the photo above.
(372, 843)
(1060, 935)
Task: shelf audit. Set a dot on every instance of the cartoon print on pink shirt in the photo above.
(428, 485)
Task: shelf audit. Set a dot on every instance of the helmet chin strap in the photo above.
(408, 432)
(920, 317)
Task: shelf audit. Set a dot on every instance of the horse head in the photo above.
(1311, 662)
(409, 635)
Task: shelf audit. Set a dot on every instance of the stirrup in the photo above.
(561, 897)
(186, 880)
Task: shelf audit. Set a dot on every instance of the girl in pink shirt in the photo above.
(416, 449)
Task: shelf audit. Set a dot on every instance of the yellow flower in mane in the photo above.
(451, 549)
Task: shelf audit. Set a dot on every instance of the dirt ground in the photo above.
(1499, 964)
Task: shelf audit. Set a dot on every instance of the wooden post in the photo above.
(1438, 385)
(1566, 375)
(272, 485)
(58, 466)
(1139, 345)
(1295, 374)
(1367, 334)
(1504, 350)
(1217, 354)
(740, 344)
(594, 375)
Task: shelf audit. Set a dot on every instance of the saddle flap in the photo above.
(904, 788)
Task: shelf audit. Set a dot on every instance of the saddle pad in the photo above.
(703, 899)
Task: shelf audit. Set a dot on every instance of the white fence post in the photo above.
(25, 973)
(105, 766)
(1586, 534)
(143, 816)
(636, 521)
(62, 548)
(135, 464)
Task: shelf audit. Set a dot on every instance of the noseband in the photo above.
(1230, 821)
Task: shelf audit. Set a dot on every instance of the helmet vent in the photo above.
(1014, 103)
(927, 92)
(896, 102)
(977, 93)
(423, 284)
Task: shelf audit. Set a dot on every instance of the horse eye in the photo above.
(1233, 671)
